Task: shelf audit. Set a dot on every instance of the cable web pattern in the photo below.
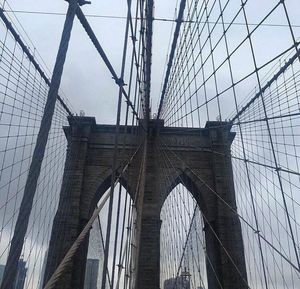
(228, 67)
(228, 78)
(24, 91)
(23, 96)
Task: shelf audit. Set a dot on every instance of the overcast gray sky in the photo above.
(87, 82)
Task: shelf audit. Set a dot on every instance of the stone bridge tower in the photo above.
(199, 159)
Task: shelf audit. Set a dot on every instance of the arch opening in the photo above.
(119, 241)
(182, 240)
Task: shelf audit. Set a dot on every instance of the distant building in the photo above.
(180, 282)
(91, 274)
(21, 275)
(2, 267)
